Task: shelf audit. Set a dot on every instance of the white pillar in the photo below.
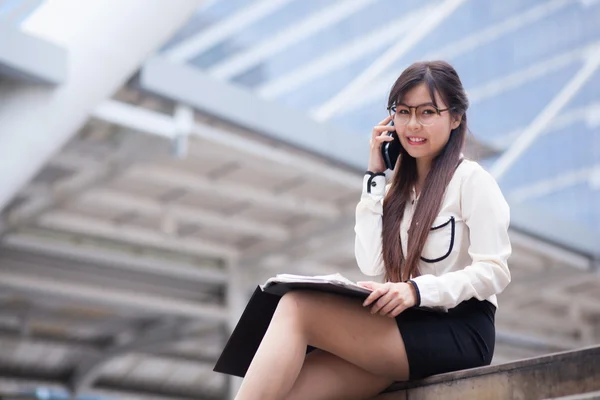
(107, 41)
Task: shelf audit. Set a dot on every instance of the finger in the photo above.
(389, 307)
(397, 311)
(381, 303)
(391, 299)
(386, 120)
(368, 284)
(383, 128)
(384, 138)
(381, 138)
(377, 293)
(378, 130)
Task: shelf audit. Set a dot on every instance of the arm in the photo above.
(367, 245)
(487, 215)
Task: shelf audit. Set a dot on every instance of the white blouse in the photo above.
(467, 249)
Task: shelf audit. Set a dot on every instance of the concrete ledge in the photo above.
(555, 375)
(583, 396)
(31, 59)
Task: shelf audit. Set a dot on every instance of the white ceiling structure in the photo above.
(126, 260)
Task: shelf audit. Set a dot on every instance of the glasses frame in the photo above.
(439, 111)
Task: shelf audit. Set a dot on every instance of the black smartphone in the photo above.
(390, 151)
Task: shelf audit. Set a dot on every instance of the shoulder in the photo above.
(471, 173)
(478, 186)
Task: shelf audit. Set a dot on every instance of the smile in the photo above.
(416, 141)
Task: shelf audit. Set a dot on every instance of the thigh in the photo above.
(325, 376)
(343, 327)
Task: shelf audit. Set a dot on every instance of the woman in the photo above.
(440, 239)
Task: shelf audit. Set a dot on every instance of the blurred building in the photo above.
(162, 158)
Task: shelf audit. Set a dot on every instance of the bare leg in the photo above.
(325, 376)
(335, 324)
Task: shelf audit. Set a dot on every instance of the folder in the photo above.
(252, 325)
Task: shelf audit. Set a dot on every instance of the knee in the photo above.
(293, 302)
(296, 304)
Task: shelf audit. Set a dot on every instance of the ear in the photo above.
(456, 120)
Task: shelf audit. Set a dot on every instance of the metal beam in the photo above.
(96, 227)
(95, 351)
(556, 231)
(377, 39)
(90, 31)
(20, 54)
(110, 258)
(258, 255)
(269, 120)
(105, 388)
(226, 27)
(86, 174)
(556, 183)
(155, 335)
(20, 10)
(471, 42)
(174, 81)
(528, 74)
(353, 89)
(343, 157)
(537, 126)
(490, 33)
(589, 114)
(112, 298)
(194, 183)
(551, 251)
(316, 22)
(114, 200)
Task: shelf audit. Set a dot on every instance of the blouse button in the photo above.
(373, 184)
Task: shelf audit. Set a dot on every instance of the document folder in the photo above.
(252, 325)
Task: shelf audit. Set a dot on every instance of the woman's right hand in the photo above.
(378, 137)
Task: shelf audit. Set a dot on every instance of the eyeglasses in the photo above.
(426, 113)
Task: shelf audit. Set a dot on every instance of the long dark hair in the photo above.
(440, 77)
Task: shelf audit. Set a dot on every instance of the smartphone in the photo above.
(390, 151)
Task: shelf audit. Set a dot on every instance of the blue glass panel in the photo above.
(322, 89)
(577, 204)
(571, 26)
(351, 28)
(22, 8)
(556, 153)
(363, 119)
(588, 94)
(499, 115)
(264, 29)
(205, 18)
(566, 29)
(473, 16)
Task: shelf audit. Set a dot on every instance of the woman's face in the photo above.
(424, 141)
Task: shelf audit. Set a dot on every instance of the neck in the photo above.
(423, 167)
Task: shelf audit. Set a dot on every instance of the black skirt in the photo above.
(438, 342)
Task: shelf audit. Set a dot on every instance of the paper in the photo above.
(335, 279)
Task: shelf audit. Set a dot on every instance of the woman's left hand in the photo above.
(389, 299)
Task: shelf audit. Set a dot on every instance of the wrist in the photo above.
(415, 293)
(375, 169)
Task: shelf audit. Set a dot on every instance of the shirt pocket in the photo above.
(440, 241)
